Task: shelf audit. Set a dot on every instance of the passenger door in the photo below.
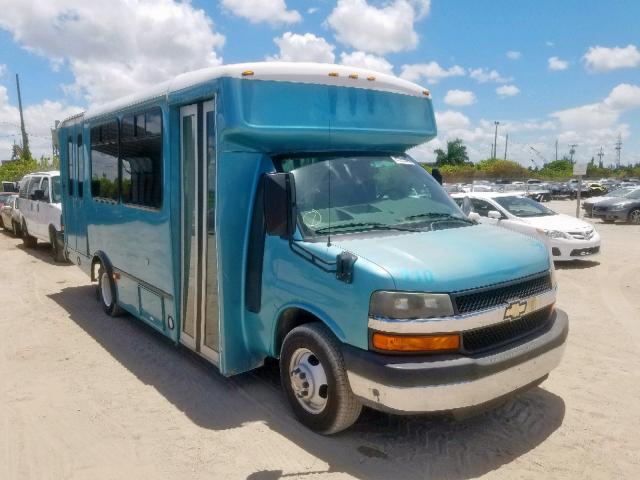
(71, 187)
(199, 276)
(30, 212)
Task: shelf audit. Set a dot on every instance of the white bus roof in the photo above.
(313, 73)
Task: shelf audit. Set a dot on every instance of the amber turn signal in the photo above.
(415, 343)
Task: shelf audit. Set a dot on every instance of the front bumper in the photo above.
(622, 215)
(574, 249)
(419, 384)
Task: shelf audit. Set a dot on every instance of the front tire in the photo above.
(634, 216)
(315, 380)
(107, 293)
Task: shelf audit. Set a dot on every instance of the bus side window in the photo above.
(104, 161)
(80, 161)
(70, 172)
(141, 159)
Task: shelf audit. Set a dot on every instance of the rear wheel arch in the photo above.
(99, 258)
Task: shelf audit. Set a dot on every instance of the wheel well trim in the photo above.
(99, 257)
(277, 336)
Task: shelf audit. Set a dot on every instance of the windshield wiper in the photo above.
(363, 226)
(447, 216)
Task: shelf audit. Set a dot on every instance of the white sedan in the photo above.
(568, 238)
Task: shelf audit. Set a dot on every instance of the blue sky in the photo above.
(547, 70)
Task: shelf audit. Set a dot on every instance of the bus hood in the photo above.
(453, 259)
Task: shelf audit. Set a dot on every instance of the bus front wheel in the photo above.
(315, 380)
(107, 292)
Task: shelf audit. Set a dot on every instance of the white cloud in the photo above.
(38, 118)
(432, 72)
(483, 76)
(507, 91)
(549, 43)
(513, 55)
(603, 59)
(368, 28)
(115, 47)
(366, 60)
(303, 48)
(600, 115)
(459, 98)
(554, 63)
(273, 12)
(312, 10)
(451, 120)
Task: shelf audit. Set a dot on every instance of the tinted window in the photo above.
(80, 160)
(24, 185)
(104, 161)
(56, 193)
(71, 174)
(45, 188)
(141, 155)
(34, 184)
(481, 207)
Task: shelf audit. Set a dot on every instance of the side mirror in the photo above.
(475, 216)
(38, 195)
(467, 206)
(494, 214)
(279, 204)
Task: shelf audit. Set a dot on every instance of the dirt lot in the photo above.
(85, 396)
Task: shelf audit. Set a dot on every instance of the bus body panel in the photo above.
(255, 120)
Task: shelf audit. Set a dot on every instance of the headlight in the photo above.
(555, 234)
(407, 305)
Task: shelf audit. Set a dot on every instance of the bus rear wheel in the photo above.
(107, 293)
(315, 380)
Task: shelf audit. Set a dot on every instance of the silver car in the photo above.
(7, 206)
(625, 208)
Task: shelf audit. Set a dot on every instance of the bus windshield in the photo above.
(355, 193)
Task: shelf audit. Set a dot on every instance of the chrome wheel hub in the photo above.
(308, 380)
(635, 217)
(105, 288)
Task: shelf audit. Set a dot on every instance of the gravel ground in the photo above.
(87, 396)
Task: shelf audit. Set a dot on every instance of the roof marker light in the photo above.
(247, 73)
(354, 76)
(371, 78)
(426, 93)
(334, 74)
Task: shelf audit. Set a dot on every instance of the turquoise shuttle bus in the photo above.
(270, 210)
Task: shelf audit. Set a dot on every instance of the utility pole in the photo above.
(600, 155)
(572, 151)
(618, 149)
(495, 141)
(506, 142)
(556, 150)
(25, 139)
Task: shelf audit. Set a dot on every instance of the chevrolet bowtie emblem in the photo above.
(515, 310)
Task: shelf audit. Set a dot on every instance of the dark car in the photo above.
(626, 208)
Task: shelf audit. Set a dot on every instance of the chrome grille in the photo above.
(492, 296)
(495, 336)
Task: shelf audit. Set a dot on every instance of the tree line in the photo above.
(454, 165)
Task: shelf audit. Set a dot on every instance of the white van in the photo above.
(40, 206)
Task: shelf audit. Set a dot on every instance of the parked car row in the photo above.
(545, 191)
(35, 213)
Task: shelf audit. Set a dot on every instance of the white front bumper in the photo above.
(566, 247)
